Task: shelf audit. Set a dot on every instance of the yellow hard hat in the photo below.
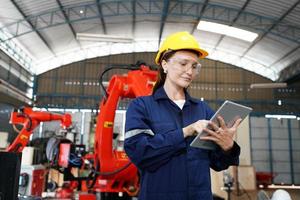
(177, 41)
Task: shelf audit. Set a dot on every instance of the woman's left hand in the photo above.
(222, 135)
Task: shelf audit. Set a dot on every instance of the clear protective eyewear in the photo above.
(185, 65)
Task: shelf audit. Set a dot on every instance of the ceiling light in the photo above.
(279, 102)
(227, 30)
(102, 38)
(268, 85)
(281, 116)
(284, 186)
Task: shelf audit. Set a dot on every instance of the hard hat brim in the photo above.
(202, 53)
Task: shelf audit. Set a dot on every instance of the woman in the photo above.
(160, 127)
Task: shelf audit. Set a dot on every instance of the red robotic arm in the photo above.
(116, 173)
(30, 120)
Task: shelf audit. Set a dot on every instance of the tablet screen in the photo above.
(230, 111)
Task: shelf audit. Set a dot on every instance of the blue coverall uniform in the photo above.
(169, 168)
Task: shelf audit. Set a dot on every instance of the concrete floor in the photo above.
(249, 195)
(252, 195)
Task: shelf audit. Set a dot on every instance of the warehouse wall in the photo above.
(13, 73)
(15, 82)
(7, 134)
(243, 139)
(76, 85)
(275, 148)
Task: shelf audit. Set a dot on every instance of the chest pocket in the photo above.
(163, 127)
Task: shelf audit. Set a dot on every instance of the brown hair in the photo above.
(161, 78)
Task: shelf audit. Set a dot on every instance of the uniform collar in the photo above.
(160, 93)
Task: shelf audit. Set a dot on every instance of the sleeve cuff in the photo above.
(234, 151)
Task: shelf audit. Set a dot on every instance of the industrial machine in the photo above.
(111, 173)
(113, 170)
(29, 120)
(32, 178)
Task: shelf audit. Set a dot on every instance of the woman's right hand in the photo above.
(195, 128)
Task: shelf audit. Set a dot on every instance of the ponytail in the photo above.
(161, 78)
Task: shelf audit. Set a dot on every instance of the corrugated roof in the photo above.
(48, 34)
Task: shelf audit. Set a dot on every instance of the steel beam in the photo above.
(231, 23)
(133, 16)
(163, 19)
(286, 55)
(290, 72)
(17, 53)
(99, 7)
(32, 26)
(218, 13)
(273, 25)
(200, 15)
(270, 148)
(68, 21)
(291, 148)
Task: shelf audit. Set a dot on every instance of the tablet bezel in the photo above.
(230, 111)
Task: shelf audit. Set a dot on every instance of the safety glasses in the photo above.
(185, 65)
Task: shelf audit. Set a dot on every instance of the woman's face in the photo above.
(181, 68)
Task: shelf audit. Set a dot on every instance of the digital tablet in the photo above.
(230, 112)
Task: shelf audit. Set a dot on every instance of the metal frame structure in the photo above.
(84, 81)
(32, 26)
(169, 8)
(66, 16)
(273, 164)
(193, 10)
(291, 152)
(99, 6)
(233, 22)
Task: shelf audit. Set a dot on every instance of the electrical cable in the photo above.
(114, 172)
(110, 67)
(95, 172)
(28, 128)
(76, 161)
(92, 176)
(16, 129)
